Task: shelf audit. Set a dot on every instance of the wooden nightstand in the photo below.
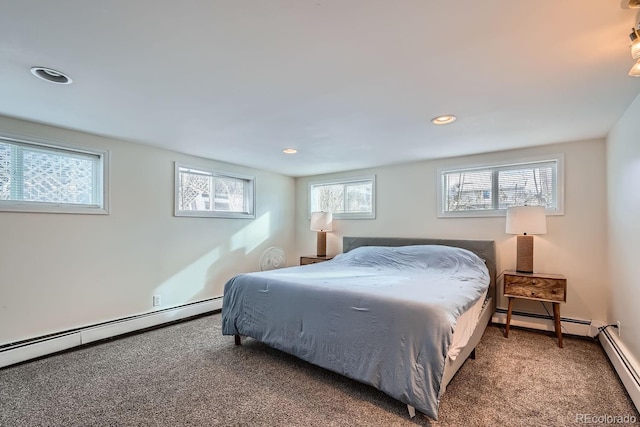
(539, 287)
(312, 259)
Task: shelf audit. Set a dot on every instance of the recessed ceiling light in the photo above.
(289, 151)
(443, 120)
(50, 75)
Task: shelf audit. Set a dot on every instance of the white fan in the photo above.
(272, 258)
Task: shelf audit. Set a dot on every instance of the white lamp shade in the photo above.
(526, 220)
(321, 221)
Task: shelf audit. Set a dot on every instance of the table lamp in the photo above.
(321, 222)
(525, 221)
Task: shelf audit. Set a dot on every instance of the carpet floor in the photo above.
(188, 374)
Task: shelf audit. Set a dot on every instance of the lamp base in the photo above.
(524, 260)
(322, 243)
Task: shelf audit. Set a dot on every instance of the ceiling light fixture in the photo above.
(635, 43)
(444, 120)
(630, 4)
(289, 151)
(635, 51)
(51, 75)
(635, 70)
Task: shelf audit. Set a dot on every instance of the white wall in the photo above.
(623, 180)
(62, 271)
(575, 244)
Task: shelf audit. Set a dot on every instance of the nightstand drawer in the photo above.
(542, 288)
(305, 260)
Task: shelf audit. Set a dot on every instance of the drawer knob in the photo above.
(533, 282)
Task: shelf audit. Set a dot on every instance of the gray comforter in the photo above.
(381, 315)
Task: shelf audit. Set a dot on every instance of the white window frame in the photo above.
(249, 194)
(101, 184)
(345, 181)
(557, 158)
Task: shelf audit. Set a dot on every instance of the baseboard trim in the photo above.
(545, 322)
(627, 367)
(41, 346)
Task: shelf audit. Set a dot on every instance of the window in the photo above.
(351, 198)
(47, 177)
(207, 193)
(490, 190)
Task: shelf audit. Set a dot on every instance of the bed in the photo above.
(399, 314)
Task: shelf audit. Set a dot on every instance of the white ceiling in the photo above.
(349, 83)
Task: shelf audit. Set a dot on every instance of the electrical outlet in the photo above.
(619, 332)
(157, 300)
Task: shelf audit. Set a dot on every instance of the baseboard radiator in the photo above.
(36, 347)
(544, 322)
(627, 368)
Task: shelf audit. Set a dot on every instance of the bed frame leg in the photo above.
(473, 354)
(237, 338)
(412, 411)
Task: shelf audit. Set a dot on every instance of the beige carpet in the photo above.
(187, 374)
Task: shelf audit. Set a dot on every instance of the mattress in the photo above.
(465, 325)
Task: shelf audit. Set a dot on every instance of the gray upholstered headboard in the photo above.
(485, 249)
